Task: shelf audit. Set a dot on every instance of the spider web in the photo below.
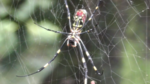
(118, 44)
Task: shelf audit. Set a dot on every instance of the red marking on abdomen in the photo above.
(81, 14)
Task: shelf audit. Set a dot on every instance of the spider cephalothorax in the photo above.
(73, 38)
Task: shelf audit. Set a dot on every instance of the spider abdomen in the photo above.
(79, 18)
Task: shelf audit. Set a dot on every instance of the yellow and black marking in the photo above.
(68, 17)
(83, 60)
(89, 57)
(77, 26)
(66, 6)
(58, 51)
(73, 36)
(87, 53)
(78, 22)
(85, 81)
(96, 7)
(89, 19)
(94, 68)
(46, 65)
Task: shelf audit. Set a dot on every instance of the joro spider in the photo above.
(73, 38)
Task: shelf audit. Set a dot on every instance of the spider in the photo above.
(73, 38)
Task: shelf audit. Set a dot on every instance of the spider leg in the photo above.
(50, 29)
(89, 57)
(92, 14)
(84, 63)
(68, 13)
(87, 31)
(42, 68)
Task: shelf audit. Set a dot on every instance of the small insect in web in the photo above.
(73, 38)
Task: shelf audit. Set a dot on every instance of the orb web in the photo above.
(118, 44)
